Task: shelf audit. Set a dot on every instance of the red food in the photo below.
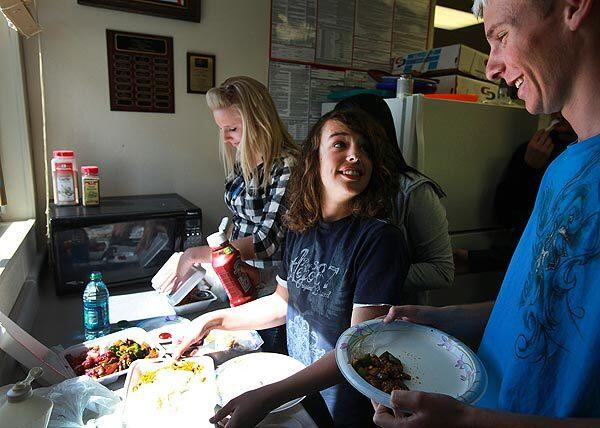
(118, 357)
(111, 368)
(165, 335)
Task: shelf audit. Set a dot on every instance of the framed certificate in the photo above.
(188, 10)
(200, 73)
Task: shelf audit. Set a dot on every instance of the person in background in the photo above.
(417, 210)
(258, 154)
(342, 265)
(540, 339)
(516, 194)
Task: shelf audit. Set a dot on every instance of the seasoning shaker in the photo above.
(90, 185)
(64, 177)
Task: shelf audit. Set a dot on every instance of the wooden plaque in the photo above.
(140, 72)
(188, 10)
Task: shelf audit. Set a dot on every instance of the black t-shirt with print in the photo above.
(328, 271)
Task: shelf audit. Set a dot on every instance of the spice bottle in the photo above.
(90, 186)
(64, 177)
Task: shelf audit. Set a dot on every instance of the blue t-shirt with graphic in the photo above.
(542, 342)
(328, 270)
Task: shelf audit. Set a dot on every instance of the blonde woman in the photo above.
(258, 154)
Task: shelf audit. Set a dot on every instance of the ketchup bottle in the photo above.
(238, 278)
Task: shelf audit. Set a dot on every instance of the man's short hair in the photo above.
(478, 6)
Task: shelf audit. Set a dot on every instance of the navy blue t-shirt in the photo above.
(328, 271)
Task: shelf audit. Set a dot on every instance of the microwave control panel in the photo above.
(193, 232)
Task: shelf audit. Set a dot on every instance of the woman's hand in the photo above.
(187, 260)
(196, 331)
(246, 410)
(425, 410)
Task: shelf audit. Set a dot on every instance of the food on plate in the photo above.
(221, 339)
(385, 372)
(165, 373)
(175, 394)
(96, 362)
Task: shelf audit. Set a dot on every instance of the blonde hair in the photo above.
(264, 137)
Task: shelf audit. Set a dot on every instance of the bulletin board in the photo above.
(317, 44)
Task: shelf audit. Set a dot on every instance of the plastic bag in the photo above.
(82, 402)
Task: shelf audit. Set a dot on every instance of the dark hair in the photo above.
(377, 108)
(305, 188)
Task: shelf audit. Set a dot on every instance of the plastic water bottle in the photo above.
(95, 307)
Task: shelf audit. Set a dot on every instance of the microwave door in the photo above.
(148, 255)
(125, 252)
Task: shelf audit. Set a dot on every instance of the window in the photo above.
(17, 191)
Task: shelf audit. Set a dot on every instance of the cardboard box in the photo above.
(19, 13)
(441, 61)
(457, 84)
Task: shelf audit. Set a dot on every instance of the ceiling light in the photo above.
(451, 19)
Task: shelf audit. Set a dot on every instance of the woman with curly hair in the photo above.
(342, 265)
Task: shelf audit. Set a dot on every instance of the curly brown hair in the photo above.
(304, 190)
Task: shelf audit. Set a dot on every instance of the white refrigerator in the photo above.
(465, 147)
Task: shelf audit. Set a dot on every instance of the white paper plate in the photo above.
(436, 361)
(251, 371)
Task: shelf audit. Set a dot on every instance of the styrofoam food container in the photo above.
(143, 413)
(30, 352)
(194, 307)
(134, 333)
(194, 282)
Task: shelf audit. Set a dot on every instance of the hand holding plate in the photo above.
(413, 409)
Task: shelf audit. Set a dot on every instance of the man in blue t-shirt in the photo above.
(539, 341)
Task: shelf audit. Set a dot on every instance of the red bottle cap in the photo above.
(89, 169)
(63, 153)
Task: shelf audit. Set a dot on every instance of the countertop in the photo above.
(59, 321)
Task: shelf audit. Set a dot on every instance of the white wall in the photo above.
(140, 153)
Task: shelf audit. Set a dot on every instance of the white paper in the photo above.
(373, 34)
(138, 306)
(334, 32)
(293, 29)
(411, 26)
(289, 85)
(321, 83)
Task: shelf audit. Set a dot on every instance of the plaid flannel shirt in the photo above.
(259, 212)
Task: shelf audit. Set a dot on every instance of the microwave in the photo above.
(126, 238)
